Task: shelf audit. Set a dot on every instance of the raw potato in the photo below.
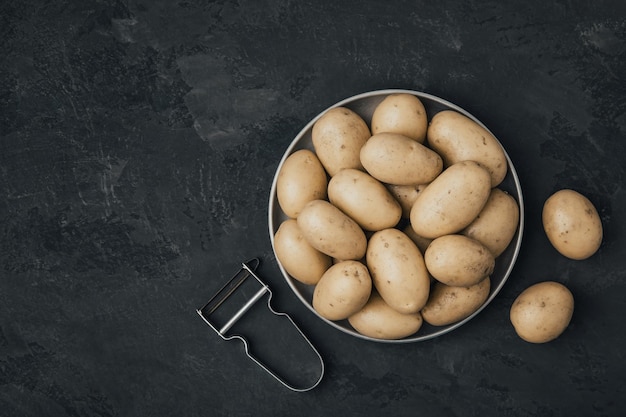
(332, 232)
(448, 305)
(497, 223)
(398, 270)
(376, 319)
(301, 179)
(406, 196)
(364, 199)
(457, 138)
(572, 224)
(301, 260)
(401, 113)
(452, 201)
(342, 291)
(338, 137)
(458, 260)
(542, 312)
(396, 159)
(421, 242)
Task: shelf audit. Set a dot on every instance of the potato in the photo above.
(448, 304)
(497, 223)
(364, 199)
(572, 224)
(405, 195)
(332, 232)
(401, 113)
(458, 260)
(457, 138)
(301, 179)
(398, 270)
(342, 291)
(452, 201)
(376, 319)
(421, 242)
(542, 312)
(301, 260)
(337, 137)
(396, 159)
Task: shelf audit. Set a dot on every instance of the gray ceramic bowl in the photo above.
(364, 105)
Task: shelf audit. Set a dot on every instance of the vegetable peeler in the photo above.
(225, 316)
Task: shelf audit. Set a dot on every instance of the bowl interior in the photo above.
(364, 105)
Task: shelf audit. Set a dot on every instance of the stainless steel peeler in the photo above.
(224, 323)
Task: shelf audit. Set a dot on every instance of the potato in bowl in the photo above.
(475, 188)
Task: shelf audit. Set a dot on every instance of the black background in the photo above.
(138, 142)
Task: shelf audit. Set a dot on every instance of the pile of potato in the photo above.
(398, 222)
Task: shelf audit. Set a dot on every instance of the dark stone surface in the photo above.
(138, 141)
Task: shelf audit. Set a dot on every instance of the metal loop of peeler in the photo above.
(225, 292)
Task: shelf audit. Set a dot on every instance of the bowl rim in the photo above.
(416, 337)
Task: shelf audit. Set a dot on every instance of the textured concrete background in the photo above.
(138, 142)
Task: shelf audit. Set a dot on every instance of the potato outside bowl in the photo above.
(364, 105)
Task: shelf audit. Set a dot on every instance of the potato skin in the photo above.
(421, 242)
(337, 137)
(396, 159)
(301, 179)
(376, 319)
(401, 113)
(364, 199)
(405, 195)
(497, 222)
(301, 260)
(458, 260)
(343, 290)
(448, 304)
(452, 201)
(332, 232)
(398, 270)
(542, 312)
(572, 224)
(456, 138)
